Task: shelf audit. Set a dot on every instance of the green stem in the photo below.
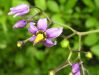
(69, 36)
(60, 67)
(66, 26)
(83, 70)
(79, 49)
(70, 54)
(89, 32)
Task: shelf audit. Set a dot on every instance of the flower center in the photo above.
(40, 36)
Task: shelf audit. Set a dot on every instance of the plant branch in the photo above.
(79, 49)
(60, 67)
(68, 36)
(89, 32)
(66, 26)
(83, 70)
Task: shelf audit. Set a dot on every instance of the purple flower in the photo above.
(43, 35)
(20, 24)
(19, 10)
(76, 69)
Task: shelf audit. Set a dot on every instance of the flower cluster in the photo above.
(39, 30)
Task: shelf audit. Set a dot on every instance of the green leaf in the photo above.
(57, 18)
(40, 55)
(75, 45)
(62, 1)
(31, 51)
(91, 39)
(96, 3)
(6, 5)
(3, 44)
(4, 25)
(95, 50)
(89, 3)
(70, 4)
(97, 25)
(53, 6)
(18, 2)
(91, 22)
(19, 60)
(41, 4)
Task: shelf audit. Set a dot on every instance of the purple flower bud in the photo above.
(19, 10)
(20, 24)
(76, 69)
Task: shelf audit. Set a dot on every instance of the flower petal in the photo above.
(76, 69)
(31, 39)
(42, 24)
(54, 32)
(49, 43)
(32, 29)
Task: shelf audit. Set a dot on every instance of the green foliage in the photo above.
(19, 60)
(70, 4)
(88, 3)
(96, 3)
(62, 1)
(40, 55)
(15, 3)
(82, 15)
(91, 22)
(41, 4)
(57, 18)
(53, 6)
(91, 39)
(95, 50)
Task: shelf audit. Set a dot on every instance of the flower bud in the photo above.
(20, 24)
(64, 43)
(20, 43)
(70, 73)
(89, 55)
(19, 10)
(51, 73)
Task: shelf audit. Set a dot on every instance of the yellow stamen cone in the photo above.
(38, 38)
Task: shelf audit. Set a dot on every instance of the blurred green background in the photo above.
(82, 15)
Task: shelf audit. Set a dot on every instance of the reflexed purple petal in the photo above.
(20, 24)
(54, 32)
(49, 43)
(31, 39)
(42, 24)
(32, 29)
(76, 69)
